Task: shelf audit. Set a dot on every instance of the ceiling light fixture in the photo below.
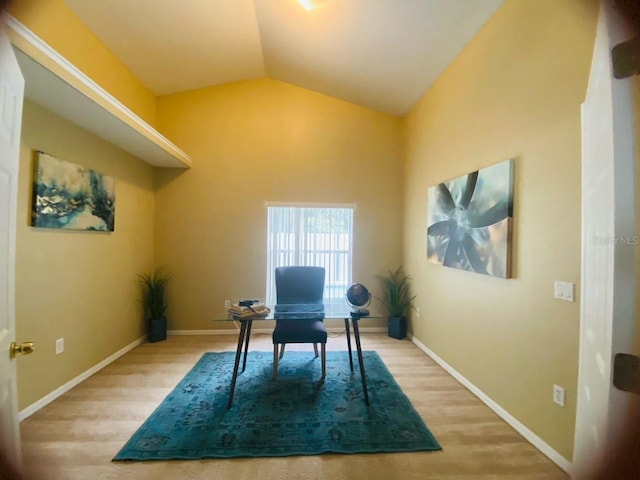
(309, 5)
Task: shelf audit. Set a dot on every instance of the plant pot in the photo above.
(398, 327)
(157, 329)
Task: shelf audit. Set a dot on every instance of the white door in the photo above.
(608, 250)
(11, 92)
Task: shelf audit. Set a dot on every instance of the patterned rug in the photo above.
(294, 415)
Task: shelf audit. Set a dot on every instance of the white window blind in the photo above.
(311, 236)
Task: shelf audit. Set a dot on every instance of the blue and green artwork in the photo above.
(469, 221)
(66, 195)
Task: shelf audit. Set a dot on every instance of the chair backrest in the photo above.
(299, 284)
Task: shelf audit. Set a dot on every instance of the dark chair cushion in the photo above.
(300, 331)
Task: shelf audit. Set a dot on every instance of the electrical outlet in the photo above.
(418, 312)
(59, 346)
(227, 304)
(558, 395)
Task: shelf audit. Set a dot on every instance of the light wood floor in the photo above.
(76, 436)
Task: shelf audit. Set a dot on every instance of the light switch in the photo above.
(563, 290)
(557, 289)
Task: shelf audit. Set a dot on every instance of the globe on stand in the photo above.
(358, 296)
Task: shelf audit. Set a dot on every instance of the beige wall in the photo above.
(258, 141)
(59, 27)
(514, 92)
(78, 285)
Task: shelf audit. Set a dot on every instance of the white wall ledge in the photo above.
(52, 82)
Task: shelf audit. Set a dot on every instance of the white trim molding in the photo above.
(361, 329)
(352, 206)
(86, 103)
(58, 392)
(221, 331)
(534, 439)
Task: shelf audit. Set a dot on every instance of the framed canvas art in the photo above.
(66, 195)
(469, 221)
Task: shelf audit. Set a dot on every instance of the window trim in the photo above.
(353, 206)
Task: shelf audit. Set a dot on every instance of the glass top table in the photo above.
(307, 310)
(297, 312)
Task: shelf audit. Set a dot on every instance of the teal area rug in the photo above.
(294, 415)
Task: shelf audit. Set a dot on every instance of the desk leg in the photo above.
(234, 377)
(356, 333)
(246, 345)
(346, 329)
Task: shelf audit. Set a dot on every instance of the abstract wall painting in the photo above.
(66, 195)
(469, 221)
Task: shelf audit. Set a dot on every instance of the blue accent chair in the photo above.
(299, 312)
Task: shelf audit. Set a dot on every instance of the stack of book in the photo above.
(257, 310)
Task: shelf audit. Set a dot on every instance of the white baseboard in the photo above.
(535, 440)
(362, 329)
(221, 331)
(58, 392)
(266, 330)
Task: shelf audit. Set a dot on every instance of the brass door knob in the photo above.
(25, 348)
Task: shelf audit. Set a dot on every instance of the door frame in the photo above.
(621, 322)
(13, 98)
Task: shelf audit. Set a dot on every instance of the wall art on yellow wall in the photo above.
(469, 221)
(66, 195)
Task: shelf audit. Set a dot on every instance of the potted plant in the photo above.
(395, 300)
(154, 287)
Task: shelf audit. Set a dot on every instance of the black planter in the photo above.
(157, 329)
(398, 327)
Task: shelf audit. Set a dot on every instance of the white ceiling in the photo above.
(382, 54)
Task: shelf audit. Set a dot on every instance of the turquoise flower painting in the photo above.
(469, 221)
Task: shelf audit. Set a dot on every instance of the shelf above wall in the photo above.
(55, 84)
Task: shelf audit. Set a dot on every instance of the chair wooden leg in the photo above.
(282, 349)
(275, 361)
(324, 360)
(315, 349)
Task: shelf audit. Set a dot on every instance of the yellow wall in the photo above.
(58, 26)
(514, 92)
(78, 285)
(258, 141)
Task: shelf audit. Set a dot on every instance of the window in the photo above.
(320, 236)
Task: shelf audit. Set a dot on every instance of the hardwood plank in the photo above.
(76, 436)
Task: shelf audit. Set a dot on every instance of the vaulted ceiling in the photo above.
(382, 54)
